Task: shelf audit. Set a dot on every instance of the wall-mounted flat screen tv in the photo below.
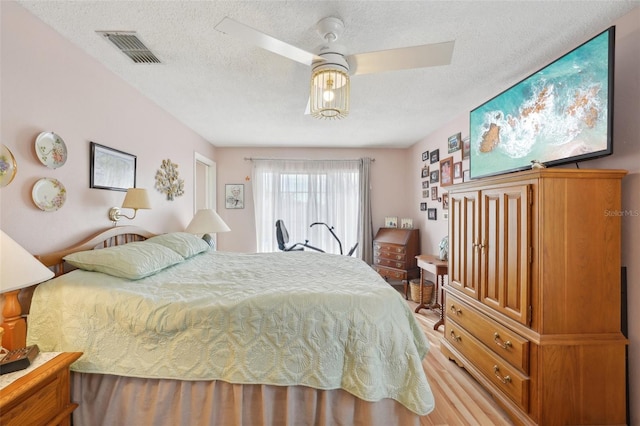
(560, 114)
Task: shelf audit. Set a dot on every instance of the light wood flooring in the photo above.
(459, 399)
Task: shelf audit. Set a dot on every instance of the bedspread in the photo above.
(296, 318)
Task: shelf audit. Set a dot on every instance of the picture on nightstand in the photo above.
(391, 222)
(406, 223)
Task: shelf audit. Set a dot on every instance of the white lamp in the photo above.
(136, 198)
(18, 269)
(207, 221)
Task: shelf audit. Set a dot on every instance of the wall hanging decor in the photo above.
(8, 166)
(234, 196)
(51, 150)
(49, 194)
(111, 169)
(168, 180)
(446, 171)
(454, 142)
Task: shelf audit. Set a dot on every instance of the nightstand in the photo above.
(39, 395)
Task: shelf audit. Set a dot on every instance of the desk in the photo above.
(439, 268)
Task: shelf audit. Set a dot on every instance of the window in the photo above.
(305, 192)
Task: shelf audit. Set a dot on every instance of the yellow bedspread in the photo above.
(295, 318)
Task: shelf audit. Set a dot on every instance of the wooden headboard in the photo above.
(108, 237)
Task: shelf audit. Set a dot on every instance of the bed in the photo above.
(174, 333)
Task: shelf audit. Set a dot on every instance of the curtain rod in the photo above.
(304, 159)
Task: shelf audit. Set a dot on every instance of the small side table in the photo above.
(39, 395)
(439, 268)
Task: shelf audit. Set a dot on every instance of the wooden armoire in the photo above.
(533, 303)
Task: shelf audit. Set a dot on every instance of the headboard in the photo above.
(108, 237)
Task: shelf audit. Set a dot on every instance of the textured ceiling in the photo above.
(235, 94)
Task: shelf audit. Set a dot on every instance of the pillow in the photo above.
(184, 243)
(133, 261)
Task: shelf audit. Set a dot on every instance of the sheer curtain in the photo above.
(302, 192)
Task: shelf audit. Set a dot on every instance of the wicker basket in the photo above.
(427, 291)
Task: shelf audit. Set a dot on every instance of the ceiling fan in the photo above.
(331, 66)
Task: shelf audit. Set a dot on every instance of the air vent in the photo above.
(129, 43)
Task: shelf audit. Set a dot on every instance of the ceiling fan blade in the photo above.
(427, 55)
(265, 41)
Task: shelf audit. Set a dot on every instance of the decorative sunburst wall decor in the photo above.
(168, 180)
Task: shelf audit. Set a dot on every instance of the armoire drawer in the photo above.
(505, 377)
(504, 342)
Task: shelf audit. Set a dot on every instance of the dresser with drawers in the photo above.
(533, 302)
(394, 254)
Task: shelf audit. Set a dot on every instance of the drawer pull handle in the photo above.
(454, 337)
(503, 344)
(455, 310)
(505, 379)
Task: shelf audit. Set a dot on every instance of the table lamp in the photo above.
(18, 269)
(207, 221)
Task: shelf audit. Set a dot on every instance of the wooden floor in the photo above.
(460, 400)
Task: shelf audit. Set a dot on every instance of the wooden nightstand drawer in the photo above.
(504, 342)
(41, 396)
(506, 378)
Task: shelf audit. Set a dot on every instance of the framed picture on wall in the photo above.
(432, 214)
(455, 142)
(423, 207)
(446, 171)
(234, 196)
(434, 177)
(434, 192)
(457, 170)
(435, 156)
(111, 169)
(424, 172)
(425, 156)
(466, 146)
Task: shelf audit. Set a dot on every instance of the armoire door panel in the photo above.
(464, 237)
(504, 259)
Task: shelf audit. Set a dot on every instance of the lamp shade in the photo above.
(329, 97)
(18, 267)
(136, 198)
(207, 221)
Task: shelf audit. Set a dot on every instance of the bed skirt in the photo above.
(116, 400)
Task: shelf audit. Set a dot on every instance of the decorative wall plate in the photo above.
(49, 194)
(8, 166)
(51, 150)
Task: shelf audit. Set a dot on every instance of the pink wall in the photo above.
(389, 180)
(48, 84)
(626, 130)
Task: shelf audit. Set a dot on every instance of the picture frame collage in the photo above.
(438, 173)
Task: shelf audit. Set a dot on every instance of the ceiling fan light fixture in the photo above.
(330, 93)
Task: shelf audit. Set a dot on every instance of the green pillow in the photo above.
(184, 243)
(133, 261)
